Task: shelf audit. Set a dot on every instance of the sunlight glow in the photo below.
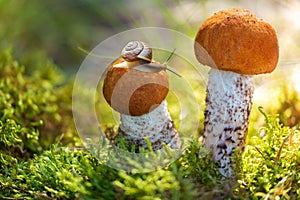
(296, 80)
(293, 15)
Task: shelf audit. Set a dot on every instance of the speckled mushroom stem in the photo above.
(157, 126)
(228, 105)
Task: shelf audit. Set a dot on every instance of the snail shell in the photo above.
(136, 50)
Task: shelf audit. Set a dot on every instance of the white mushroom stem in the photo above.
(228, 105)
(157, 126)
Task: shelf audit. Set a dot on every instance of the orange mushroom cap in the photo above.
(236, 40)
(134, 92)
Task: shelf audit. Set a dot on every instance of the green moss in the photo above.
(271, 167)
(59, 172)
(19, 107)
(41, 156)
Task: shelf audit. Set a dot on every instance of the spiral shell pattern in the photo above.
(136, 50)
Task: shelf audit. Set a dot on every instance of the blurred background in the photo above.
(55, 30)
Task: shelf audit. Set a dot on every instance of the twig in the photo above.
(259, 151)
(280, 150)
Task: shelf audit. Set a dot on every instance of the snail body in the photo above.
(138, 55)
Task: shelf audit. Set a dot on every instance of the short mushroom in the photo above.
(237, 45)
(138, 93)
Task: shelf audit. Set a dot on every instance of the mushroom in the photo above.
(236, 45)
(136, 87)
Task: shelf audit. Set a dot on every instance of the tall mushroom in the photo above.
(136, 87)
(237, 45)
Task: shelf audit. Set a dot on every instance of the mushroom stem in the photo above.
(228, 105)
(156, 125)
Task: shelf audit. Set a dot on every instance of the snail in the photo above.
(138, 55)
